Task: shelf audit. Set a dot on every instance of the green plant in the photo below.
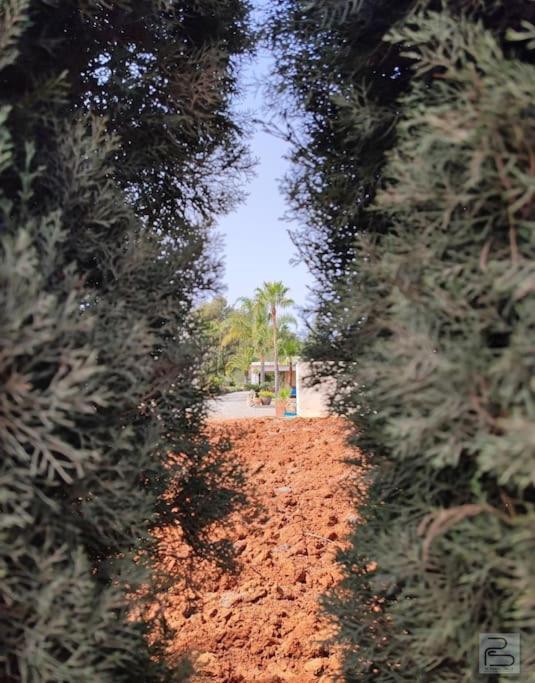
(217, 383)
(414, 185)
(266, 394)
(290, 347)
(284, 393)
(246, 331)
(274, 297)
(108, 184)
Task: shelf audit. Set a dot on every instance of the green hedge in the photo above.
(103, 250)
(430, 313)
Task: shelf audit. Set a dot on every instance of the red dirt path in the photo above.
(264, 623)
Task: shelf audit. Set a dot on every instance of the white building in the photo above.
(269, 368)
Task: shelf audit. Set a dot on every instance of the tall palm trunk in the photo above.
(290, 367)
(262, 368)
(275, 347)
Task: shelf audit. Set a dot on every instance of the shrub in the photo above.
(413, 184)
(284, 393)
(103, 250)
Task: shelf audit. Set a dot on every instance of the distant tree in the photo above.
(290, 346)
(274, 295)
(247, 326)
(214, 315)
(241, 360)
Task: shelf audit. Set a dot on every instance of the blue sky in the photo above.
(257, 246)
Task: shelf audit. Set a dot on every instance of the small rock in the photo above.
(292, 648)
(241, 532)
(256, 647)
(279, 591)
(219, 635)
(315, 666)
(256, 595)
(332, 536)
(326, 581)
(188, 611)
(319, 650)
(283, 489)
(283, 594)
(208, 663)
(230, 598)
(299, 549)
(226, 582)
(281, 548)
(256, 467)
(301, 576)
(333, 519)
(262, 556)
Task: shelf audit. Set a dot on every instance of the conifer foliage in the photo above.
(115, 130)
(414, 180)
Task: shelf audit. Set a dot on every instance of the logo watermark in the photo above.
(499, 653)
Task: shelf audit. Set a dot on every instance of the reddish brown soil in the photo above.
(264, 622)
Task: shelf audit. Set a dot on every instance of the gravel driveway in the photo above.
(235, 405)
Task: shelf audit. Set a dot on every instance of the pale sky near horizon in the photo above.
(257, 246)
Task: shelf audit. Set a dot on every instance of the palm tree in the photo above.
(261, 336)
(248, 326)
(289, 347)
(241, 359)
(274, 296)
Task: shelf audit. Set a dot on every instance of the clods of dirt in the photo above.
(264, 622)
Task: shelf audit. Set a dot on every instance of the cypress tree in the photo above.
(115, 133)
(426, 251)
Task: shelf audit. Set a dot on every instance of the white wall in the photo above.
(312, 401)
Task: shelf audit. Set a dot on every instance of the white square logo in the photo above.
(499, 653)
